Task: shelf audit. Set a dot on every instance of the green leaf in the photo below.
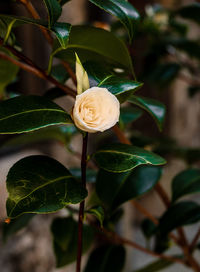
(185, 183)
(98, 212)
(5, 76)
(54, 11)
(90, 174)
(65, 236)
(39, 184)
(81, 77)
(59, 73)
(148, 228)
(61, 30)
(155, 108)
(93, 45)
(15, 225)
(155, 266)
(121, 157)
(123, 10)
(106, 259)
(191, 11)
(62, 134)
(63, 2)
(121, 87)
(28, 113)
(129, 114)
(116, 188)
(179, 214)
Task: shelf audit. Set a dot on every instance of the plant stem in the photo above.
(82, 204)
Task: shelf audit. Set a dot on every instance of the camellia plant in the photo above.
(100, 67)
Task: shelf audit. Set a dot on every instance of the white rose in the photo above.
(95, 110)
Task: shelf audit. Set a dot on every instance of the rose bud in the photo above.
(95, 110)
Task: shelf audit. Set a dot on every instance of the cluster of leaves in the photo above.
(40, 184)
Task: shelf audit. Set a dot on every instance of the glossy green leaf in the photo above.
(129, 114)
(54, 11)
(122, 157)
(155, 266)
(106, 259)
(15, 225)
(93, 45)
(121, 87)
(123, 10)
(39, 184)
(81, 77)
(28, 113)
(116, 188)
(65, 239)
(98, 212)
(185, 183)
(180, 214)
(155, 108)
(61, 30)
(5, 76)
(191, 11)
(61, 134)
(59, 72)
(90, 174)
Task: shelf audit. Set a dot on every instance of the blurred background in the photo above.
(166, 53)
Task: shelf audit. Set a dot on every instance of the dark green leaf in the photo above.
(129, 114)
(98, 212)
(90, 174)
(28, 113)
(106, 259)
(63, 2)
(5, 76)
(59, 73)
(39, 184)
(191, 11)
(179, 214)
(191, 47)
(93, 45)
(62, 134)
(148, 228)
(121, 87)
(65, 236)
(162, 243)
(121, 157)
(54, 11)
(61, 30)
(155, 266)
(163, 74)
(123, 10)
(116, 188)
(15, 225)
(185, 183)
(155, 108)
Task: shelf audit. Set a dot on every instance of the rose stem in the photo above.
(82, 204)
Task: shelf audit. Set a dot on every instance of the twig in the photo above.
(82, 204)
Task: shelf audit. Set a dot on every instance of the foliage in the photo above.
(119, 171)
